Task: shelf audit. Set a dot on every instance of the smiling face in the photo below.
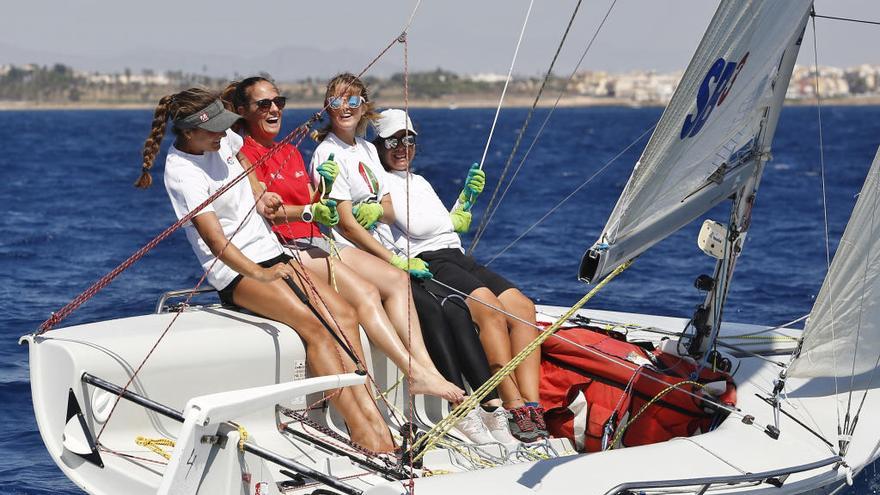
(345, 119)
(199, 141)
(400, 157)
(263, 124)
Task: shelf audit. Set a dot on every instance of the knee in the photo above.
(346, 316)
(369, 295)
(488, 318)
(521, 305)
(316, 336)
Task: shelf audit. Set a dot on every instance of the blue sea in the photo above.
(71, 215)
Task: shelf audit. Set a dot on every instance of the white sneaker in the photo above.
(496, 423)
(472, 428)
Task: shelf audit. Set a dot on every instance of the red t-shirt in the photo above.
(284, 173)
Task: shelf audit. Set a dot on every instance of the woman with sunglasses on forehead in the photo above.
(431, 233)
(296, 224)
(243, 260)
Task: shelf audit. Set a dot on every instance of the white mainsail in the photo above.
(842, 336)
(714, 132)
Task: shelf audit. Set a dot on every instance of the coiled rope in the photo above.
(443, 426)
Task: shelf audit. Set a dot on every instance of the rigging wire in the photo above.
(572, 193)
(490, 209)
(848, 19)
(490, 212)
(825, 216)
(506, 83)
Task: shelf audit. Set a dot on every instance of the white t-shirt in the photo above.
(191, 179)
(361, 176)
(431, 227)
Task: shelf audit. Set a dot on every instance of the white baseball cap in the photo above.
(393, 120)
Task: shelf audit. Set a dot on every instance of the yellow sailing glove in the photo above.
(473, 186)
(328, 172)
(367, 214)
(325, 212)
(461, 220)
(415, 266)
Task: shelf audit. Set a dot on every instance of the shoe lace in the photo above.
(522, 420)
(537, 415)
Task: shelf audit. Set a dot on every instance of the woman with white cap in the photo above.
(431, 234)
(241, 256)
(381, 307)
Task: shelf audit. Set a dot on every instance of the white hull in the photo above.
(214, 350)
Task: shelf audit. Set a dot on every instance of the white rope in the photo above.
(571, 194)
(537, 136)
(506, 83)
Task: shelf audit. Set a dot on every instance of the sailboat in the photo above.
(223, 405)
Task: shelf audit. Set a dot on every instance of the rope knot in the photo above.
(402, 37)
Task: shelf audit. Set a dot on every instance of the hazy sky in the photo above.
(297, 39)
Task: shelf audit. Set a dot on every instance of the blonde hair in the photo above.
(174, 106)
(348, 83)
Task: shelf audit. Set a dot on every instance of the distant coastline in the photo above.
(452, 104)
(60, 87)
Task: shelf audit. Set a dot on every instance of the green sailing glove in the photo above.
(461, 220)
(328, 171)
(325, 212)
(415, 266)
(473, 186)
(367, 214)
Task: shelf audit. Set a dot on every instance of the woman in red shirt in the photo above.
(257, 100)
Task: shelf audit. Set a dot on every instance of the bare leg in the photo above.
(496, 343)
(367, 302)
(528, 373)
(277, 301)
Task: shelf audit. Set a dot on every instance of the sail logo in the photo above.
(713, 90)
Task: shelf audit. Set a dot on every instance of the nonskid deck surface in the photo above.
(253, 351)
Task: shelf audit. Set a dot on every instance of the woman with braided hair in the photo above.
(250, 269)
(381, 307)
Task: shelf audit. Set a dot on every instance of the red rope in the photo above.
(109, 277)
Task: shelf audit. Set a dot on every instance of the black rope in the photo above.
(847, 19)
(489, 210)
(305, 300)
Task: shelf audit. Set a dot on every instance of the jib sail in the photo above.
(716, 129)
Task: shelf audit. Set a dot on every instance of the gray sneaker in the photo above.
(521, 425)
(497, 423)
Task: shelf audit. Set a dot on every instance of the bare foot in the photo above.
(421, 382)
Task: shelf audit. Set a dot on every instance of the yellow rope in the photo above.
(242, 435)
(390, 389)
(443, 426)
(334, 253)
(648, 404)
(155, 445)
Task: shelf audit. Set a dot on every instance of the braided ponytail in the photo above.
(154, 140)
(187, 102)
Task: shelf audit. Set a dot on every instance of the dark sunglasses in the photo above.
(392, 143)
(353, 101)
(266, 103)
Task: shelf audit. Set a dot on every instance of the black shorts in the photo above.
(226, 292)
(456, 269)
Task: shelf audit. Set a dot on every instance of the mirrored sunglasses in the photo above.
(393, 143)
(353, 101)
(266, 103)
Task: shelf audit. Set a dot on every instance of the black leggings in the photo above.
(450, 336)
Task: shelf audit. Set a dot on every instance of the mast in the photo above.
(707, 318)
